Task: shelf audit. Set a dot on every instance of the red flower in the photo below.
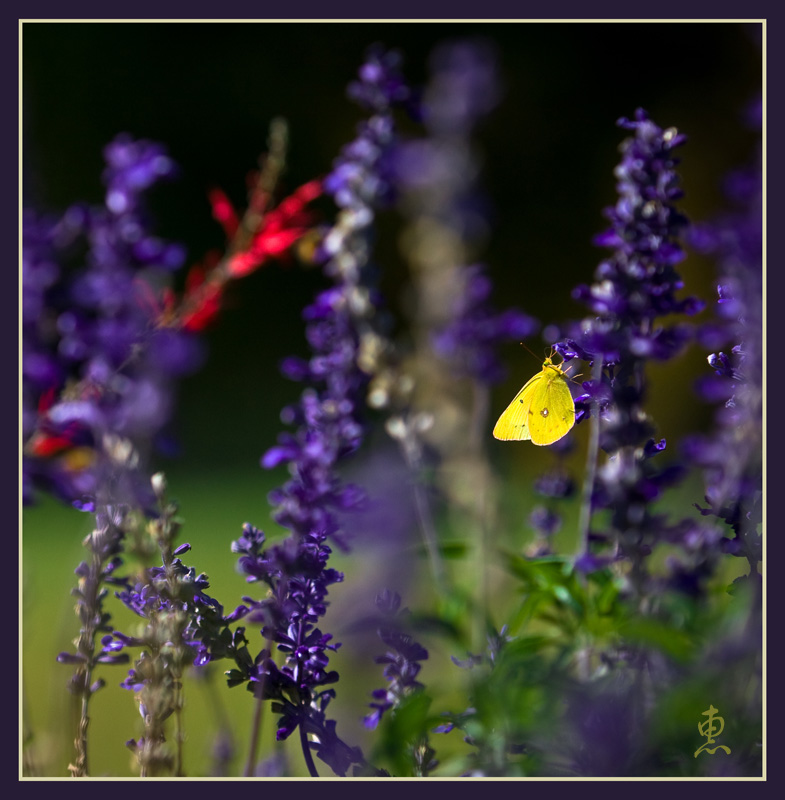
(205, 309)
(280, 229)
(224, 212)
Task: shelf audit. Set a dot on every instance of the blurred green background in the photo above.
(208, 91)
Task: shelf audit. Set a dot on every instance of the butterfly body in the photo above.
(542, 412)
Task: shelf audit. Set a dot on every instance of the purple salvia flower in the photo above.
(184, 625)
(105, 546)
(98, 367)
(638, 282)
(381, 85)
(634, 287)
(328, 428)
(97, 370)
(360, 178)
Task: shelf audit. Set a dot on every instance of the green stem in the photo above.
(590, 474)
(410, 447)
(428, 530)
(253, 748)
(83, 675)
(256, 725)
(481, 405)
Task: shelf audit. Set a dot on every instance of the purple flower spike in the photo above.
(637, 283)
(635, 286)
(328, 428)
(96, 331)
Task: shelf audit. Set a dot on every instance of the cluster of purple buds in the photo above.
(361, 177)
(327, 419)
(639, 282)
(175, 589)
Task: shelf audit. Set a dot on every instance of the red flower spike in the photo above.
(242, 264)
(301, 197)
(223, 212)
(281, 228)
(209, 304)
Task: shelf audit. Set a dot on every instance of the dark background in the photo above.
(208, 92)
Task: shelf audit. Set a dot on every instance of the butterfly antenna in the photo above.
(526, 347)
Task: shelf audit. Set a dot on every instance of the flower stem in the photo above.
(480, 407)
(256, 725)
(428, 530)
(179, 731)
(307, 753)
(79, 769)
(407, 433)
(590, 473)
(253, 748)
(103, 542)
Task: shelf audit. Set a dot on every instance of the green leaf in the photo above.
(653, 633)
(453, 549)
(401, 730)
(528, 645)
(456, 549)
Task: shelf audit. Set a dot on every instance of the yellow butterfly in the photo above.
(543, 411)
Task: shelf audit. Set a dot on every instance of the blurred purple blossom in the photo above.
(98, 369)
(438, 175)
(401, 659)
(731, 456)
(470, 341)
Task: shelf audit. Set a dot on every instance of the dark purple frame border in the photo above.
(401, 10)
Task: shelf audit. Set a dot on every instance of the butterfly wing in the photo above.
(513, 423)
(551, 409)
